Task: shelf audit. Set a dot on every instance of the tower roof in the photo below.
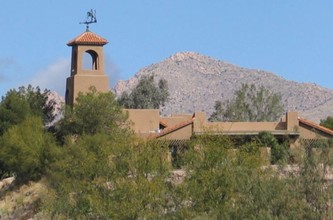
(88, 38)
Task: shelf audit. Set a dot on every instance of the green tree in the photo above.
(279, 152)
(19, 104)
(146, 95)
(27, 149)
(92, 113)
(230, 182)
(328, 122)
(218, 114)
(315, 172)
(104, 176)
(251, 103)
(217, 171)
(104, 171)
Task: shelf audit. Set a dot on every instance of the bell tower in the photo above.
(87, 66)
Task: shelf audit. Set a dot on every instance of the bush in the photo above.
(27, 150)
(93, 112)
(279, 152)
(19, 104)
(105, 176)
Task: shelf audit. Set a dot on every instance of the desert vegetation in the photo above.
(94, 167)
(146, 95)
(250, 103)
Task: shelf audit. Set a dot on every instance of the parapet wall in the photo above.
(202, 125)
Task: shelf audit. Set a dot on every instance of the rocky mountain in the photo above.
(197, 81)
(59, 103)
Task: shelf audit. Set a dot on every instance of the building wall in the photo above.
(241, 126)
(290, 124)
(144, 121)
(306, 132)
(184, 133)
(78, 53)
(147, 121)
(292, 121)
(175, 119)
(82, 83)
(80, 79)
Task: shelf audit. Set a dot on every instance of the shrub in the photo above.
(27, 150)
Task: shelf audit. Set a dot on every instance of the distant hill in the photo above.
(197, 81)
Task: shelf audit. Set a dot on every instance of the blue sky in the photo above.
(293, 39)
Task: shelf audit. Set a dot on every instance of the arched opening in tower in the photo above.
(90, 60)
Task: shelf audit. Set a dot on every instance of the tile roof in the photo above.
(163, 123)
(88, 38)
(173, 128)
(316, 126)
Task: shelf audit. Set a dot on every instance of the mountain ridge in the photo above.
(196, 81)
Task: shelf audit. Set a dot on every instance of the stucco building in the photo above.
(148, 123)
(87, 66)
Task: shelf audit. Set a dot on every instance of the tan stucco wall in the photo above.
(239, 126)
(307, 132)
(185, 116)
(82, 83)
(184, 133)
(199, 122)
(78, 52)
(144, 121)
(292, 121)
(80, 79)
(174, 120)
(202, 125)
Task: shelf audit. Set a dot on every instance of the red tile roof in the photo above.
(316, 126)
(88, 38)
(163, 123)
(173, 128)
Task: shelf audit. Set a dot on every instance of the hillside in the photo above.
(197, 81)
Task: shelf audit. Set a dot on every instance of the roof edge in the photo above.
(87, 38)
(174, 128)
(316, 126)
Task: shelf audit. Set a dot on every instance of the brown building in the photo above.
(148, 123)
(87, 47)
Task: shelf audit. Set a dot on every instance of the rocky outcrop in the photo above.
(197, 81)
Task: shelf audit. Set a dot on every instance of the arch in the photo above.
(90, 60)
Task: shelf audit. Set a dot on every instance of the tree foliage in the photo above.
(92, 113)
(19, 104)
(146, 95)
(27, 150)
(279, 151)
(230, 182)
(102, 171)
(328, 122)
(109, 177)
(220, 179)
(250, 103)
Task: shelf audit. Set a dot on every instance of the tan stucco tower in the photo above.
(87, 47)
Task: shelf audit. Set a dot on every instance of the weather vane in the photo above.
(91, 18)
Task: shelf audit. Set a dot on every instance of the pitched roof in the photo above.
(316, 126)
(163, 123)
(173, 128)
(87, 38)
